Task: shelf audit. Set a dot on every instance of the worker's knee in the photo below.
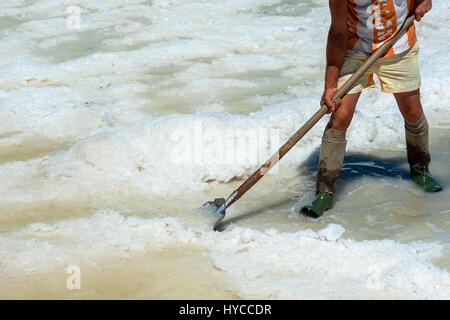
(341, 121)
(413, 114)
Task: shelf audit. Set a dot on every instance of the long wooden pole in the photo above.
(258, 174)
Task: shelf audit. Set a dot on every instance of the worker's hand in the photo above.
(328, 94)
(421, 7)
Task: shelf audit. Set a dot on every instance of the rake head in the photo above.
(218, 205)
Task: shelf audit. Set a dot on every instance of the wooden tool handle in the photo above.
(258, 174)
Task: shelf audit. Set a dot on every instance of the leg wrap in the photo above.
(417, 148)
(330, 160)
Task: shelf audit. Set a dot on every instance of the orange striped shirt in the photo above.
(373, 22)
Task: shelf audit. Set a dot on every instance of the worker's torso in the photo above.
(372, 22)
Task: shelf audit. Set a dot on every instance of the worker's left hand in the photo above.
(421, 7)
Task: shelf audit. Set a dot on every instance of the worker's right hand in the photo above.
(328, 94)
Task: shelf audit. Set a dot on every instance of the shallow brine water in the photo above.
(118, 119)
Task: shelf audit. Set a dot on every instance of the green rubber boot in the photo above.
(422, 176)
(323, 202)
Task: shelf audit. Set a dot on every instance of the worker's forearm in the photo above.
(336, 49)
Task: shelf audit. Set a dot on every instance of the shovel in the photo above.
(219, 205)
